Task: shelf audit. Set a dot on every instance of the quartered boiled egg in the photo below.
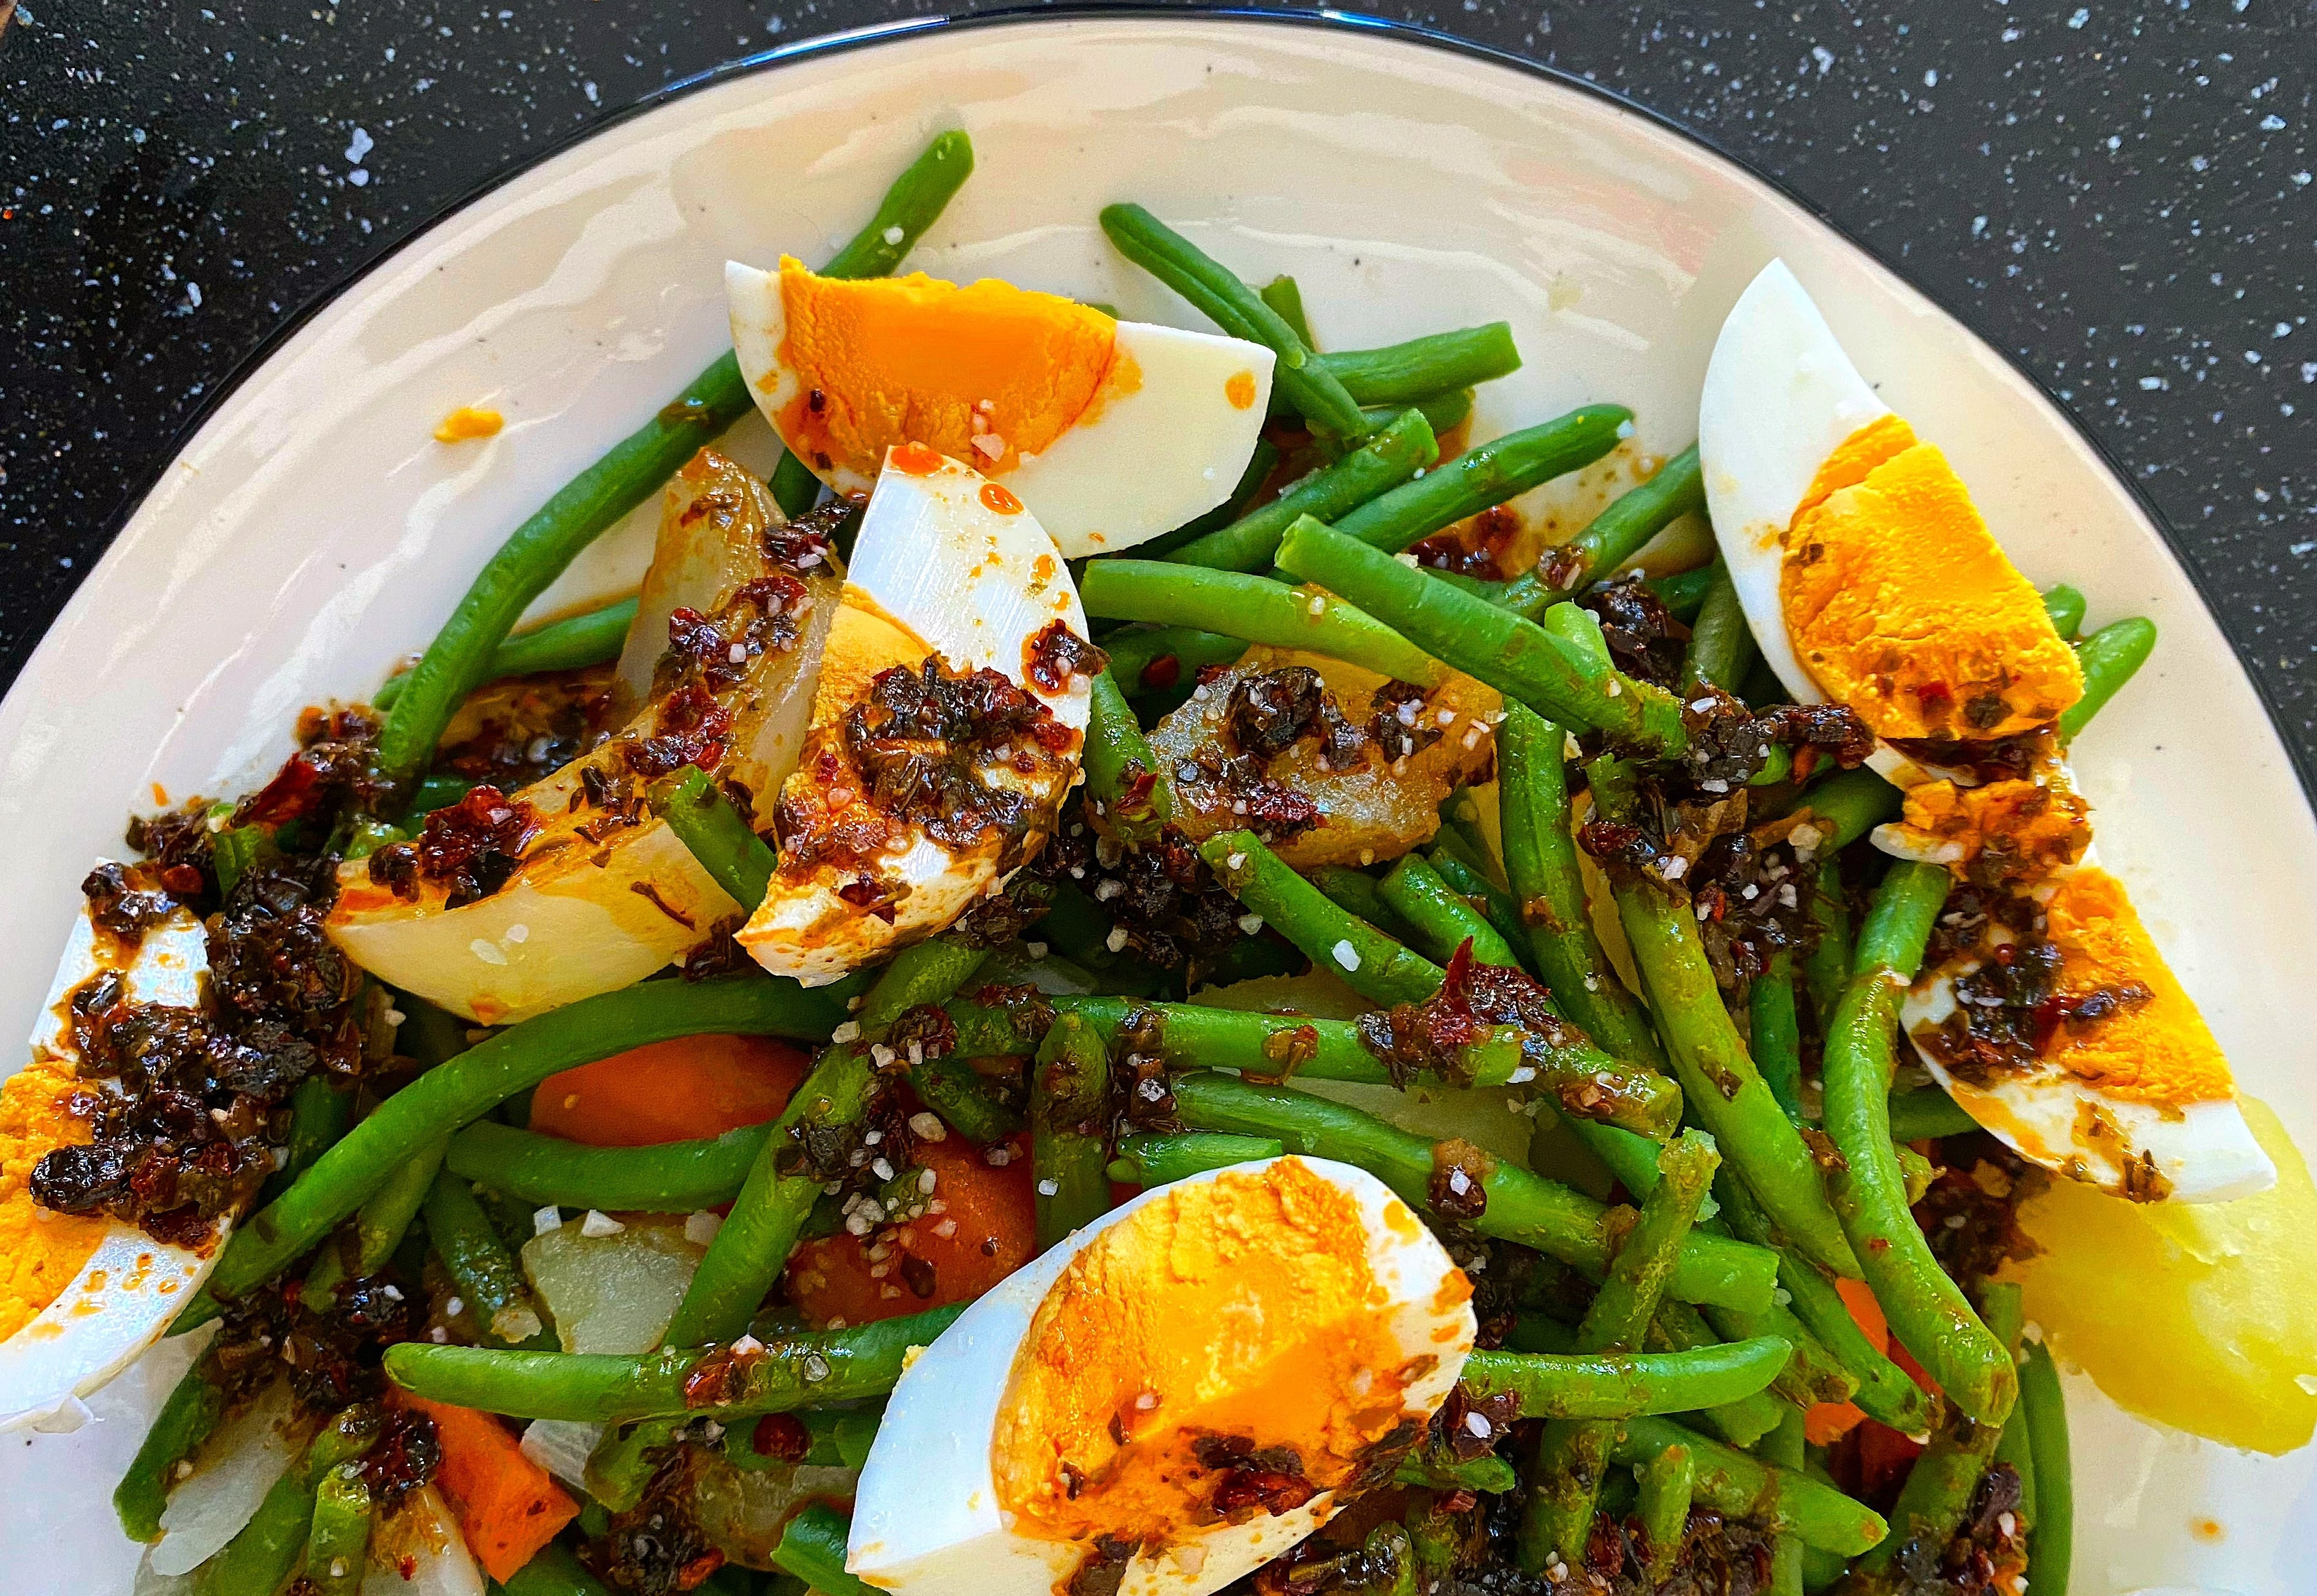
(1189, 1386)
(1867, 574)
(571, 886)
(80, 1298)
(2124, 1086)
(946, 727)
(1868, 578)
(1111, 432)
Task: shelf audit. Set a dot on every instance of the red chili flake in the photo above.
(1057, 653)
(782, 1436)
(1162, 673)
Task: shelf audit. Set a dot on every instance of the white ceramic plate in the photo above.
(312, 532)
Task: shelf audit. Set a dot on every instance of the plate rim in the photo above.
(1324, 19)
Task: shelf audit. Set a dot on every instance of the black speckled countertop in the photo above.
(2124, 196)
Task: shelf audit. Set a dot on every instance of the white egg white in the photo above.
(2204, 1152)
(1143, 460)
(131, 1286)
(975, 584)
(926, 1520)
(594, 910)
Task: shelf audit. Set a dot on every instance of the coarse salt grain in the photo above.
(1347, 955)
(598, 1223)
(1048, 1188)
(701, 1228)
(543, 1220)
(850, 1032)
(926, 1127)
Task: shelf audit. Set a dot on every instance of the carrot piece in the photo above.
(1828, 1421)
(987, 1229)
(679, 1091)
(507, 1506)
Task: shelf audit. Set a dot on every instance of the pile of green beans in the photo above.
(1254, 608)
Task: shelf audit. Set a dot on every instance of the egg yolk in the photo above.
(1900, 604)
(2156, 1050)
(2007, 833)
(2203, 1316)
(986, 373)
(41, 1249)
(1227, 1340)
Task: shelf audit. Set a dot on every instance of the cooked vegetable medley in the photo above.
(1125, 979)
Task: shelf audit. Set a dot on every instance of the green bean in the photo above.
(812, 1549)
(659, 1178)
(2051, 1540)
(1139, 652)
(232, 852)
(1578, 1385)
(1438, 918)
(1517, 657)
(751, 1246)
(1925, 1114)
(1281, 294)
(573, 642)
(1262, 460)
(1460, 815)
(1370, 963)
(260, 1557)
(1070, 1119)
(1721, 646)
(965, 1101)
(2110, 657)
(1883, 1391)
(2065, 605)
(1407, 373)
(1614, 537)
(1125, 791)
(320, 1110)
(459, 658)
(1443, 412)
(436, 791)
(1827, 966)
(517, 1058)
(808, 1370)
(1192, 1036)
(1683, 593)
(711, 830)
(2016, 1449)
(1360, 895)
(1938, 1492)
(1488, 1473)
(1564, 1484)
(833, 1439)
(1677, 1327)
(1404, 445)
(1926, 1311)
(912, 205)
(337, 1546)
(192, 1414)
(1738, 1487)
(1482, 478)
(1774, 1031)
(1254, 608)
(379, 1226)
(1161, 1158)
(1666, 1481)
(1849, 805)
(1718, 1082)
(552, 1571)
(1496, 905)
(1785, 1447)
(1541, 862)
(1521, 1206)
(1317, 394)
(473, 1256)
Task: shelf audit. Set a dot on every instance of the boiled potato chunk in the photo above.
(613, 1293)
(2202, 1316)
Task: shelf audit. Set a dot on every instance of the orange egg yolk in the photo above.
(1235, 1318)
(986, 373)
(2154, 1052)
(2009, 834)
(1900, 604)
(41, 1249)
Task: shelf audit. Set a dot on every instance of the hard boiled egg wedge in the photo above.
(575, 887)
(1193, 1383)
(1865, 573)
(1111, 431)
(1868, 578)
(946, 727)
(80, 1298)
(2116, 1080)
